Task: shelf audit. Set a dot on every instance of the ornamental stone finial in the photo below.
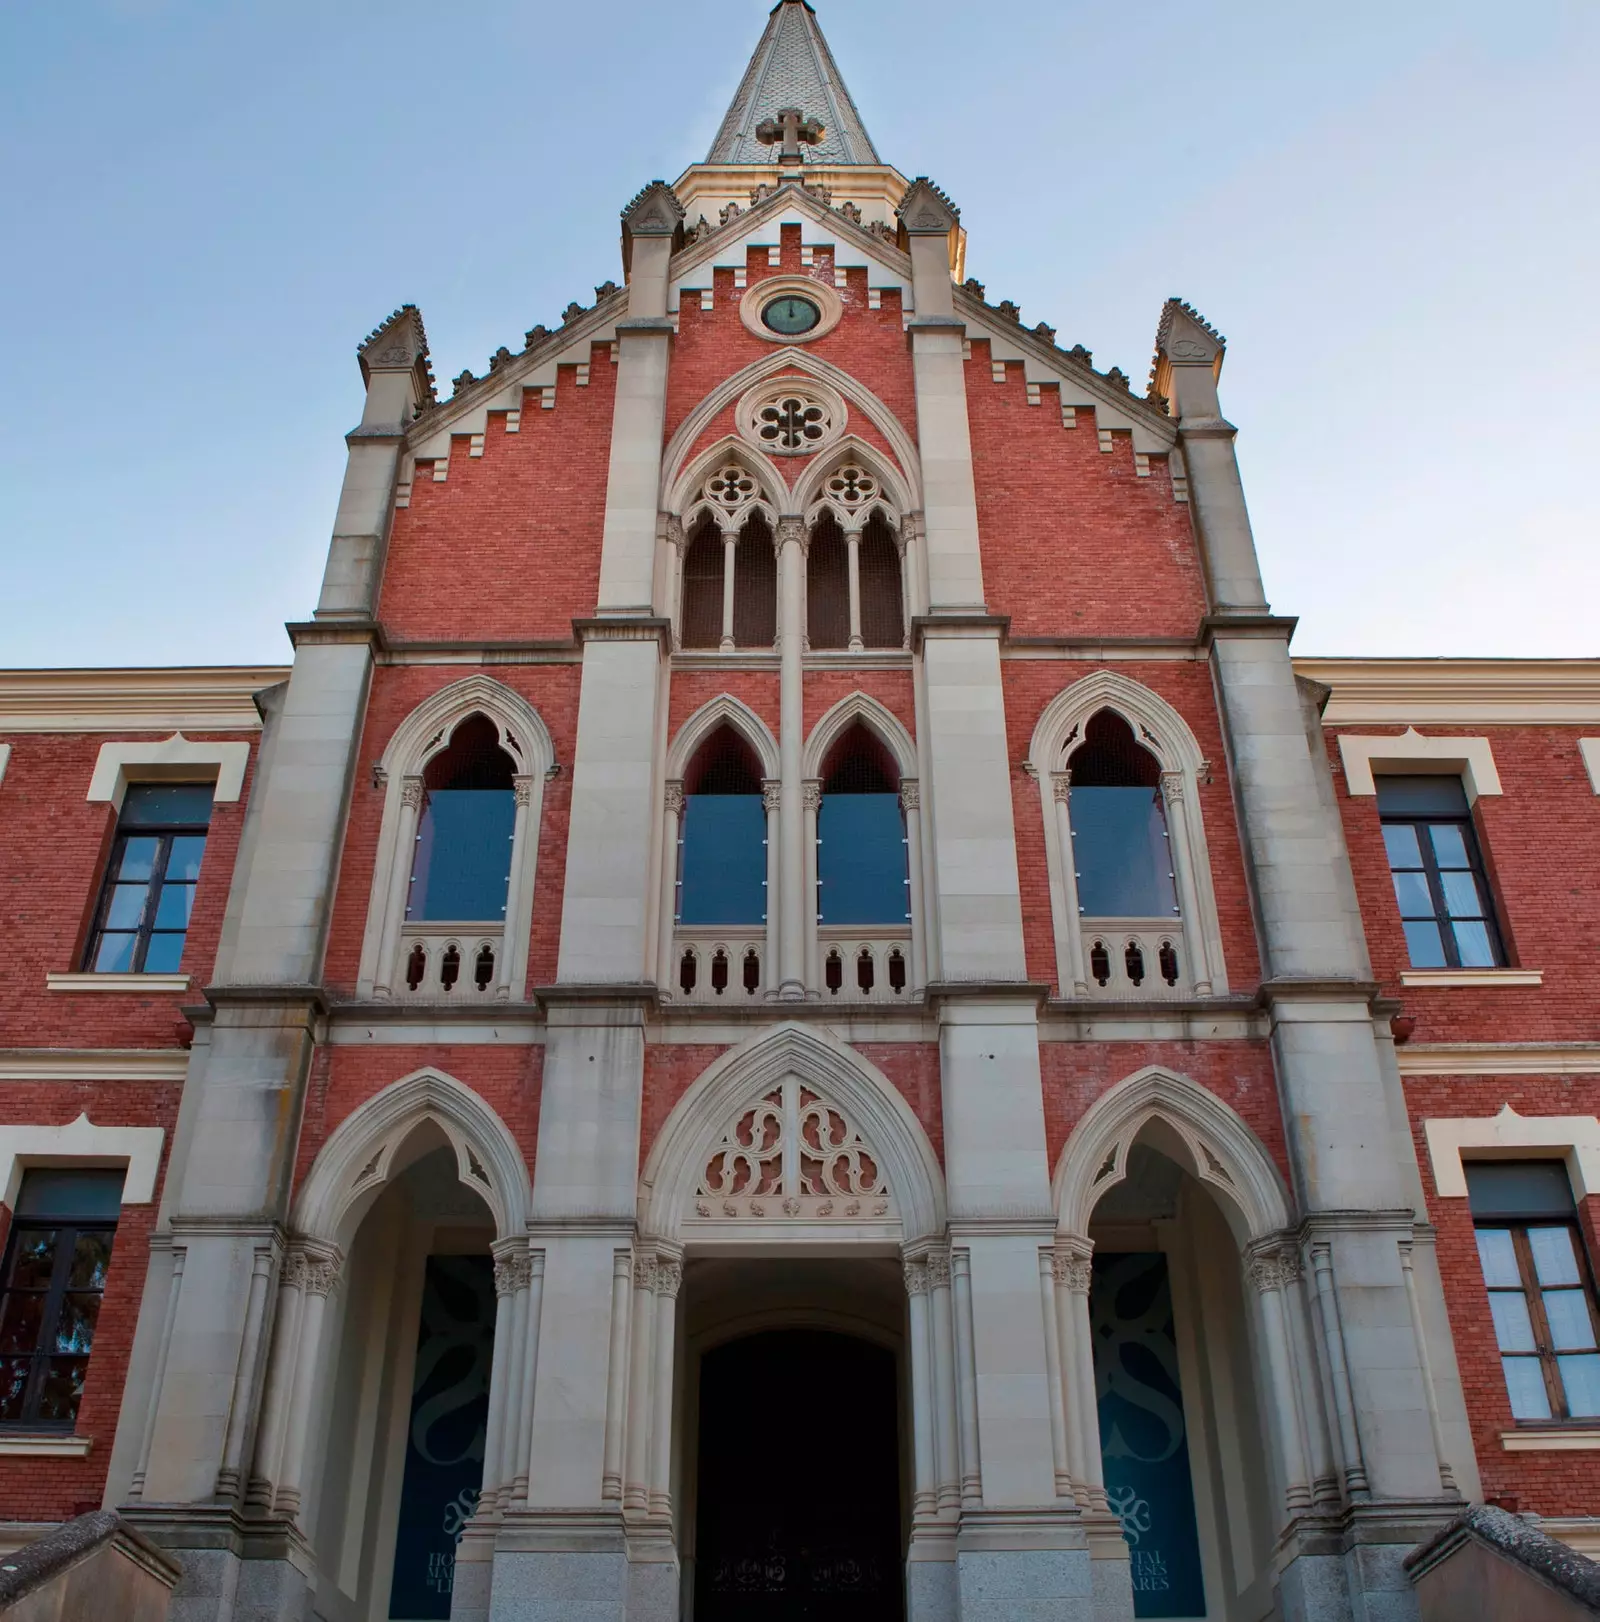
(926, 211)
(399, 344)
(654, 212)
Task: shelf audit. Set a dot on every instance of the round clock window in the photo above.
(790, 315)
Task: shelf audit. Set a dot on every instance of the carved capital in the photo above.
(1172, 786)
(644, 1273)
(811, 795)
(674, 798)
(1274, 1266)
(672, 531)
(512, 1272)
(1061, 785)
(522, 790)
(1071, 1272)
(313, 1272)
(411, 792)
(910, 794)
(669, 1278)
(771, 793)
(938, 1269)
(791, 531)
(916, 1277)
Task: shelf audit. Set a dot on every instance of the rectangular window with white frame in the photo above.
(57, 1256)
(1436, 864)
(1541, 1287)
(147, 896)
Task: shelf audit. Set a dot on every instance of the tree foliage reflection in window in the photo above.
(1121, 852)
(462, 864)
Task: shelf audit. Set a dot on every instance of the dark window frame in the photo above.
(163, 833)
(1443, 920)
(67, 1231)
(1544, 1349)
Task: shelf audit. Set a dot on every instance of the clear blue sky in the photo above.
(1389, 208)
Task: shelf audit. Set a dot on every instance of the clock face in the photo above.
(791, 314)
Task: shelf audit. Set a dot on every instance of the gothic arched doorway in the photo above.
(799, 1481)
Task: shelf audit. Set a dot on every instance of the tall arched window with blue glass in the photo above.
(721, 896)
(1122, 858)
(461, 867)
(863, 878)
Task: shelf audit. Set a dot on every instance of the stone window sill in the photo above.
(1551, 1439)
(1472, 977)
(147, 984)
(43, 1445)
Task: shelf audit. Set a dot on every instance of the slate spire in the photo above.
(792, 69)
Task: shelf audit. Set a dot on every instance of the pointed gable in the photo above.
(793, 67)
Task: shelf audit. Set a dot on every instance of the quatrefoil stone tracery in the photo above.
(792, 424)
(730, 489)
(852, 487)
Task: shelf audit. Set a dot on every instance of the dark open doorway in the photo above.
(799, 1500)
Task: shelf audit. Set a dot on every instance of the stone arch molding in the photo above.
(871, 1119)
(878, 719)
(1202, 1133)
(802, 365)
(810, 490)
(723, 710)
(353, 1166)
(1164, 732)
(388, 940)
(685, 499)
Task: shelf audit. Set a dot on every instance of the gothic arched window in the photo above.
(701, 624)
(1121, 852)
(828, 585)
(461, 867)
(882, 608)
(755, 585)
(722, 840)
(862, 875)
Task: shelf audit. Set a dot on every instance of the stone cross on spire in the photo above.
(791, 127)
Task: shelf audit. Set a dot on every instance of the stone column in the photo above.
(730, 543)
(1053, 1363)
(911, 810)
(924, 1500)
(318, 1273)
(390, 968)
(946, 1449)
(672, 805)
(668, 1279)
(772, 804)
(811, 799)
(1269, 1269)
(790, 979)
(853, 548)
(966, 1380)
(1061, 798)
(1350, 1147)
(617, 1373)
(641, 1374)
(1196, 952)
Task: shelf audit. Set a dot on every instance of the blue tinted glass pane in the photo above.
(1461, 897)
(152, 805)
(1513, 1327)
(1580, 1376)
(138, 857)
(1554, 1259)
(114, 955)
(1424, 946)
(1411, 892)
(126, 906)
(1525, 1387)
(1474, 946)
(183, 862)
(172, 910)
(463, 855)
(1400, 840)
(861, 860)
(1449, 846)
(1498, 1255)
(1567, 1313)
(724, 860)
(84, 1194)
(1119, 844)
(164, 954)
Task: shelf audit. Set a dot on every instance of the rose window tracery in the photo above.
(793, 1154)
(730, 489)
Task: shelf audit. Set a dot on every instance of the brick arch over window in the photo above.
(868, 1108)
(1184, 958)
(487, 963)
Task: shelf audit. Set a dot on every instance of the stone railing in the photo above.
(864, 964)
(449, 963)
(716, 968)
(1135, 958)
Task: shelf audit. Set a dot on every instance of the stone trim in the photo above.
(201, 698)
(94, 1064)
(1588, 748)
(1555, 1439)
(1366, 758)
(45, 1447)
(82, 1143)
(1481, 978)
(830, 307)
(145, 985)
(1499, 1059)
(1510, 1136)
(5, 760)
(1458, 692)
(173, 760)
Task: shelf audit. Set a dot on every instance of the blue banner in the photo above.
(1144, 1444)
(444, 1446)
